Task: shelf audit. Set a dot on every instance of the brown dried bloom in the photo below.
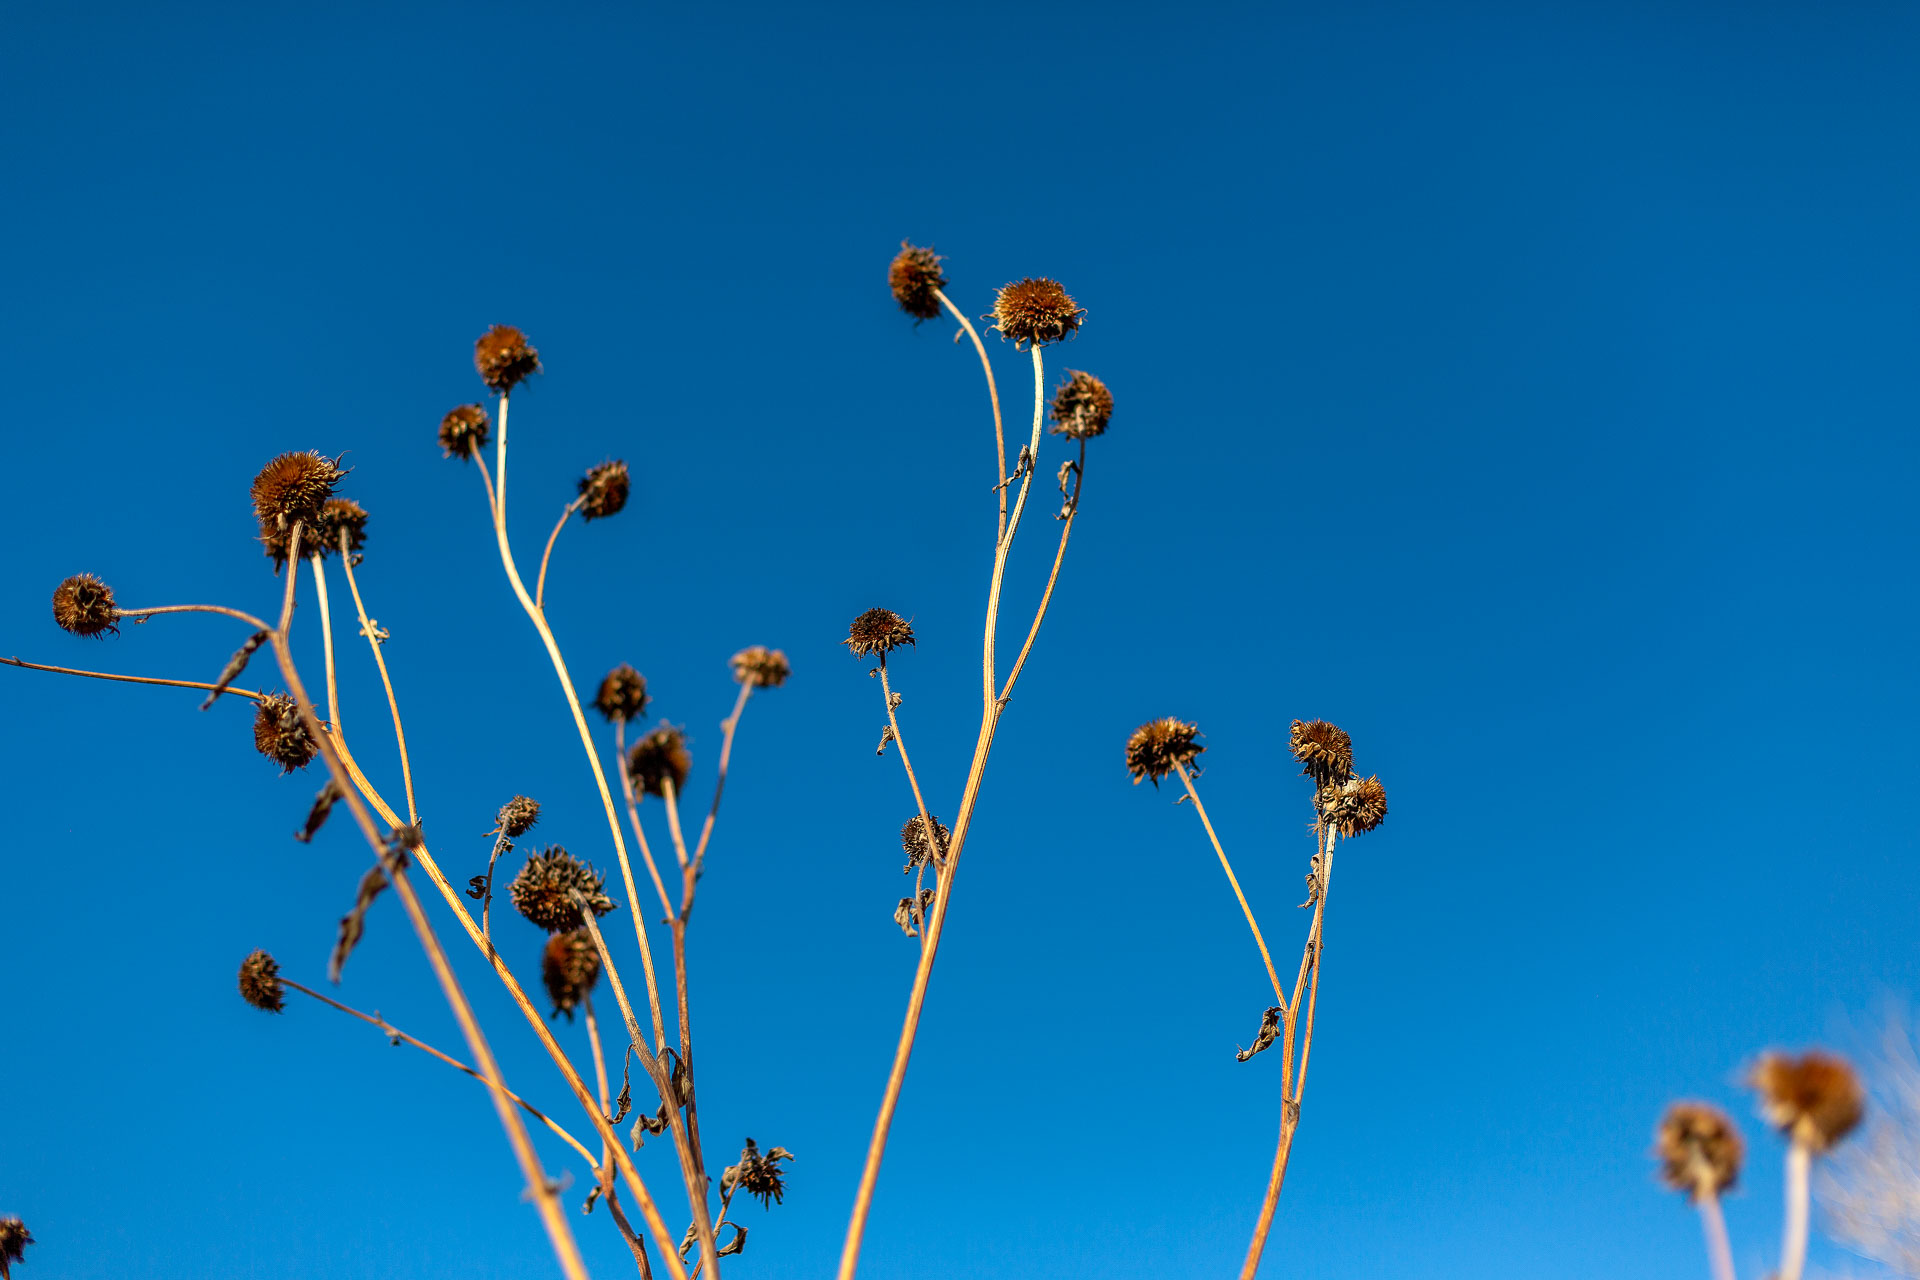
(1325, 751)
(758, 1175)
(294, 486)
(260, 984)
(1699, 1149)
(661, 755)
(1815, 1099)
(1158, 745)
(14, 1239)
(84, 605)
(517, 816)
(913, 839)
(504, 358)
(913, 276)
(623, 695)
(543, 890)
(1035, 311)
(338, 516)
(569, 965)
(1354, 806)
(1081, 407)
(877, 631)
(281, 735)
(603, 490)
(761, 667)
(464, 431)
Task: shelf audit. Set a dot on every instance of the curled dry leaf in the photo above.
(1269, 1028)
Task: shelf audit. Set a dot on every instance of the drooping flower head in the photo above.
(260, 984)
(603, 490)
(84, 605)
(1158, 745)
(761, 667)
(340, 516)
(1035, 311)
(658, 758)
(543, 891)
(569, 965)
(1815, 1099)
(622, 696)
(1353, 807)
(878, 631)
(504, 358)
(281, 735)
(913, 276)
(1699, 1149)
(921, 851)
(517, 816)
(1324, 751)
(464, 431)
(1081, 407)
(758, 1175)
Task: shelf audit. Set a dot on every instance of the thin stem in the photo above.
(639, 832)
(1029, 464)
(728, 728)
(1319, 946)
(500, 843)
(1046, 597)
(326, 636)
(1793, 1240)
(993, 393)
(669, 794)
(109, 675)
(1713, 1224)
(634, 1244)
(141, 615)
(1258, 940)
(380, 660)
(540, 583)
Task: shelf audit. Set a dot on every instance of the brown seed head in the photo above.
(464, 431)
(281, 735)
(1354, 806)
(877, 631)
(294, 486)
(913, 276)
(543, 890)
(569, 965)
(260, 984)
(504, 358)
(1324, 751)
(1081, 407)
(14, 1239)
(661, 755)
(758, 1175)
(1698, 1148)
(517, 816)
(920, 851)
(603, 490)
(761, 667)
(623, 695)
(1815, 1099)
(84, 605)
(341, 515)
(1158, 745)
(1035, 311)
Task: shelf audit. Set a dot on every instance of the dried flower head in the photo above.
(338, 516)
(464, 431)
(1035, 311)
(1815, 1099)
(913, 276)
(517, 816)
(1081, 407)
(281, 735)
(260, 984)
(758, 1175)
(14, 1239)
(920, 851)
(1354, 806)
(660, 756)
(603, 490)
(543, 891)
(877, 631)
(1698, 1148)
(84, 605)
(1158, 745)
(622, 696)
(294, 486)
(504, 358)
(761, 667)
(569, 965)
(1324, 751)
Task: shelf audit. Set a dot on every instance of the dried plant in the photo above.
(1870, 1190)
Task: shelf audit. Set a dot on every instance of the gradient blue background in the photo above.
(1530, 389)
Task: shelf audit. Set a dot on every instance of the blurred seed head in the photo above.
(622, 696)
(603, 490)
(921, 851)
(14, 1239)
(464, 431)
(260, 984)
(1698, 1148)
(1353, 807)
(84, 605)
(281, 735)
(294, 486)
(913, 276)
(661, 755)
(504, 358)
(543, 890)
(569, 965)
(758, 1175)
(338, 516)
(877, 631)
(1324, 751)
(1081, 407)
(517, 816)
(1036, 311)
(1815, 1099)
(1158, 745)
(761, 667)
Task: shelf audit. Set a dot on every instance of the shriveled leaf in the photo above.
(911, 914)
(1269, 1028)
(689, 1240)
(235, 665)
(317, 816)
(624, 1103)
(353, 924)
(736, 1245)
(653, 1124)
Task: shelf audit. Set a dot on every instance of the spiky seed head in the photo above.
(569, 965)
(1158, 745)
(913, 276)
(1698, 1148)
(14, 1239)
(517, 816)
(338, 516)
(464, 431)
(281, 735)
(622, 696)
(757, 1174)
(921, 851)
(761, 667)
(1815, 1099)
(504, 358)
(84, 605)
(603, 490)
(1324, 751)
(543, 890)
(294, 486)
(877, 631)
(1036, 311)
(260, 984)
(661, 755)
(1353, 807)
(1081, 407)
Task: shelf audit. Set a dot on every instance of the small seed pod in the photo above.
(1159, 745)
(913, 276)
(758, 1175)
(339, 515)
(921, 851)
(1035, 311)
(1081, 407)
(660, 756)
(504, 358)
(84, 605)
(1699, 1149)
(294, 486)
(761, 667)
(877, 631)
(260, 984)
(1815, 1099)
(464, 431)
(517, 816)
(1324, 750)
(603, 490)
(543, 890)
(14, 1239)
(569, 965)
(623, 695)
(1353, 807)
(281, 735)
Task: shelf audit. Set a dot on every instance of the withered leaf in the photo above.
(911, 914)
(736, 1245)
(235, 665)
(353, 924)
(653, 1124)
(1269, 1028)
(317, 816)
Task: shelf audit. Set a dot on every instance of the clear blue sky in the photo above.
(1529, 389)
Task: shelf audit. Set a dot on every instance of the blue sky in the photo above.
(1526, 388)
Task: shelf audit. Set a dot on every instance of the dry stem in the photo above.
(993, 394)
(1233, 880)
(540, 582)
(386, 681)
(1793, 1241)
(1713, 1224)
(109, 675)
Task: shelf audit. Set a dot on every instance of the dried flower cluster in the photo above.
(622, 696)
(1324, 751)
(1353, 807)
(921, 851)
(504, 358)
(281, 735)
(84, 605)
(603, 490)
(1035, 312)
(1699, 1149)
(260, 984)
(14, 1239)
(658, 758)
(464, 431)
(758, 1175)
(914, 276)
(517, 816)
(1815, 1099)
(761, 667)
(569, 966)
(1081, 407)
(1158, 746)
(293, 487)
(878, 631)
(543, 891)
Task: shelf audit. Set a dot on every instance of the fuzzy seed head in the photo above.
(1081, 407)
(84, 605)
(1699, 1149)
(338, 516)
(504, 358)
(1035, 311)
(1815, 1099)
(464, 431)
(659, 757)
(758, 1175)
(1324, 751)
(913, 276)
(1352, 807)
(260, 984)
(543, 890)
(517, 816)
(877, 631)
(761, 667)
(281, 735)
(569, 965)
(1158, 745)
(603, 490)
(14, 1239)
(622, 696)
(294, 486)
(921, 851)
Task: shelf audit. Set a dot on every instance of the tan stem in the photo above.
(141, 615)
(1059, 555)
(1713, 1224)
(728, 728)
(1258, 940)
(326, 637)
(386, 682)
(1793, 1240)
(109, 675)
(1005, 545)
(639, 832)
(540, 581)
(993, 394)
